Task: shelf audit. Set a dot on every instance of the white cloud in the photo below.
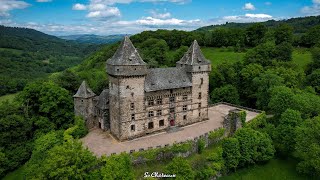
(247, 18)
(44, 1)
(249, 6)
(312, 10)
(156, 14)
(103, 13)
(79, 7)
(8, 5)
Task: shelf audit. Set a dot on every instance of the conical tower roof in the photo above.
(126, 54)
(194, 56)
(84, 91)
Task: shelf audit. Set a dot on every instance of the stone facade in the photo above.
(141, 101)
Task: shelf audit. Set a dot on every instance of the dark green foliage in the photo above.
(255, 34)
(181, 168)
(308, 147)
(215, 135)
(262, 54)
(27, 54)
(68, 80)
(264, 82)
(281, 99)
(311, 37)
(116, 167)
(314, 80)
(284, 140)
(254, 146)
(227, 93)
(284, 51)
(231, 153)
(201, 145)
(81, 129)
(283, 33)
(49, 101)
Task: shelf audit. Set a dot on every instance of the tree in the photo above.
(227, 93)
(308, 147)
(262, 54)
(283, 33)
(117, 167)
(314, 80)
(181, 168)
(254, 146)
(285, 132)
(50, 101)
(263, 83)
(255, 34)
(284, 52)
(69, 80)
(69, 160)
(231, 153)
(281, 99)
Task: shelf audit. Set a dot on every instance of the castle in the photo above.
(142, 100)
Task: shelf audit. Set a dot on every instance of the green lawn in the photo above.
(219, 55)
(8, 97)
(15, 175)
(275, 169)
(301, 56)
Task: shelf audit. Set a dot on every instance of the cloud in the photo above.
(7, 5)
(44, 1)
(105, 12)
(247, 18)
(156, 14)
(249, 7)
(312, 10)
(79, 7)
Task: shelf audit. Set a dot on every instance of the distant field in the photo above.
(219, 55)
(275, 169)
(301, 57)
(8, 97)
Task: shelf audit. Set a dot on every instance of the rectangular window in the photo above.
(185, 97)
(172, 110)
(199, 114)
(185, 107)
(151, 102)
(150, 125)
(199, 97)
(159, 112)
(161, 123)
(132, 106)
(172, 99)
(150, 114)
(201, 81)
(133, 127)
(184, 117)
(159, 101)
(133, 117)
(199, 105)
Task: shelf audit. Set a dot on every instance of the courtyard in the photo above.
(102, 143)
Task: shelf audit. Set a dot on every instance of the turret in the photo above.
(126, 61)
(193, 60)
(198, 68)
(83, 103)
(127, 73)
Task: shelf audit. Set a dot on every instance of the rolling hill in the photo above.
(94, 39)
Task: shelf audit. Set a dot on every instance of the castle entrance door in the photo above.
(172, 123)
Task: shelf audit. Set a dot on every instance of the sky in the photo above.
(106, 17)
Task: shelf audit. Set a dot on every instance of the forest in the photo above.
(40, 134)
(27, 54)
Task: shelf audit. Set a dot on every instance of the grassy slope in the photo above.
(301, 57)
(15, 175)
(275, 169)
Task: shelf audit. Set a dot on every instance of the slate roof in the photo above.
(126, 54)
(103, 100)
(166, 78)
(84, 91)
(194, 56)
